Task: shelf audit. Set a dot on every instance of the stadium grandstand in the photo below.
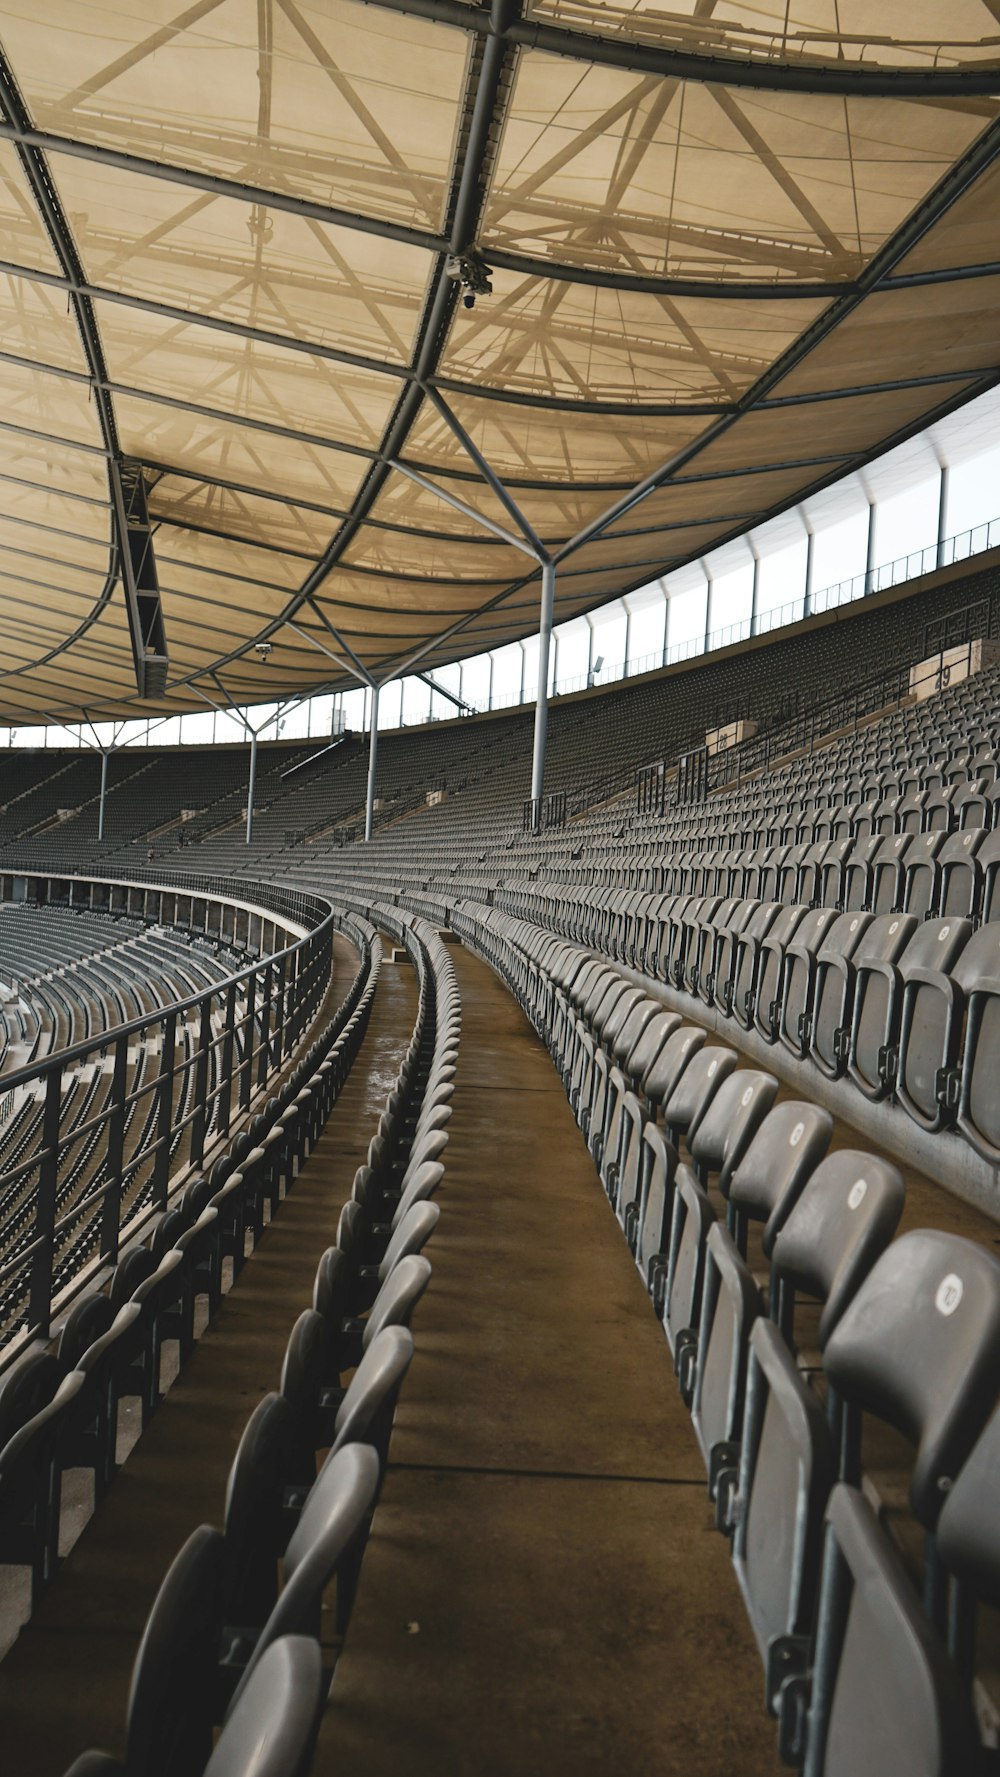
(499, 888)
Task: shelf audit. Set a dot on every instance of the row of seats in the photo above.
(796, 1324)
(60, 1409)
(232, 1641)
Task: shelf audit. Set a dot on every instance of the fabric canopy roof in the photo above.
(735, 251)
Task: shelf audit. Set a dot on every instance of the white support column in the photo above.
(666, 620)
(807, 599)
(542, 701)
(628, 637)
(489, 694)
(708, 601)
(104, 793)
(252, 786)
(942, 525)
(523, 660)
(870, 553)
(590, 649)
(372, 762)
(755, 593)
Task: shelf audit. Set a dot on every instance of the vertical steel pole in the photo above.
(870, 555)
(104, 795)
(807, 597)
(372, 764)
(252, 788)
(542, 700)
(755, 594)
(111, 1214)
(942, 524)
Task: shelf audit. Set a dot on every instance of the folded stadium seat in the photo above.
(910, 813)
(857, 879)
(229, 1202)
(642, 1018)
(988, 859)
(919, 1348)
(31, 1382)
(846, 948)
(730, 1303)
(117, 1365)
(886, 810)
(831, 870)
(786, 1469)
(718, 1139)
(703, 1072)
(272, 1732)
(967, 1544)
(698, 913)
(774, 1168)
(30, 1490)
(976, 975)
(736, 955)
(792, 1002)
(715, 940)
(881, 1696)
(691, 1218)
(881, 984)
(161, 1297)
(655, 1082)
(970, 806)
(762, 1005)
(130, 1271)
(841, 1221)
(624, 1126)
(885, 894)
(961, 878)
(940, 814)
(921, 885)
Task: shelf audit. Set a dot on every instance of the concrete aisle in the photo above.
(543, 1591)
(64, 1683)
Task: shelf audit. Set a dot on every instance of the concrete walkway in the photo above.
(544, 1591)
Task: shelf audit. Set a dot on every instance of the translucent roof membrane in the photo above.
(733, 251)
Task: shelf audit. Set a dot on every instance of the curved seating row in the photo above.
(796, 1323)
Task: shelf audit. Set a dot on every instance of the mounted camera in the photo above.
(262, 651)
(472, 274)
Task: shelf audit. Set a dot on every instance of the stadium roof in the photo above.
(736, 249)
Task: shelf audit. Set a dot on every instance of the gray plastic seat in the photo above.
(786, 1469)
(29, 1488)
(366, 1412)
(884, 1699)
(695, 1089)
(734, 1114)
(787, 1146)
(919, 1347)
(977, 975)
(328, 1540)
(843, 1220)
(853, 942)
(691, 1218)
(730, 1303)
(795, 988)
(272, 1731)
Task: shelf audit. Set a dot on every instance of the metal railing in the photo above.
(542, 812)
(91, 1135)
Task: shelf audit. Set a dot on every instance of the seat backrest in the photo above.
(272, 1730)
(730, 1121)
(697, 1086)
(302, 1370)
(398, 1297)
(253, 1523)
(30, 1384)
(410, 1236)
(422, 1185)
(170, 1704)
(335, 1513)
(371, 1396)
(667, 1066)
(642, 1057)
(331, 1288)
(129, 1272)
(845, 1217)
(730, 1303)
(968, 1532)
(785, 1150)
(885, 1697)
(919, 1346)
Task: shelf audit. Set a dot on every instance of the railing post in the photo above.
(267, 994)
(40, 1286)
(165, 1111)
(225, 1092)
(249, 1021)
(111, 1213)
(200, 1118)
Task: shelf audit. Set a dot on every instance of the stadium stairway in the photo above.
(79, 1646)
